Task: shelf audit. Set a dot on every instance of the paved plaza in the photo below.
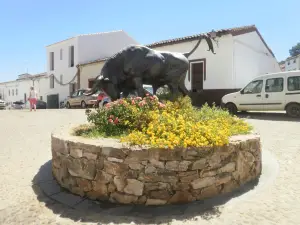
(29, 194)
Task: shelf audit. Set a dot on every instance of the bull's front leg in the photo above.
(138, 83)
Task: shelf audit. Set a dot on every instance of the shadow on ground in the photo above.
(268, 116)
(70, 206)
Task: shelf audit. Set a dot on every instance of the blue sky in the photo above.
(28, 26)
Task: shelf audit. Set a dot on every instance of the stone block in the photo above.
(156, 202)
(181, 197)
(103, 177)
(199, 164)
(203, 182)
(124, 198)
(120, 183)
(82, 168)
(59, 145)
(161, 194)
(90, 155)
(76, 152)
(228, 168)
(134, 187)
(113, 152)
(117, 169)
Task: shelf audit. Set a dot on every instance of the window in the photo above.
(13, 92)
(294, 60)
(51, 61)
(72, 88)
(41, 98)
(8, 92)
(61, 79)
(75, 94)
(274, 85)
(61, 54)
(289, 63)
(52, 82)
(16, 91)
(71, 56)
(254, 87)
(294, 83)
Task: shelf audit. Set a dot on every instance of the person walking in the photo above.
(32, 98)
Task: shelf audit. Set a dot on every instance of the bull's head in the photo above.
(105, 85)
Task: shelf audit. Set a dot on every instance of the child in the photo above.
(32, 98)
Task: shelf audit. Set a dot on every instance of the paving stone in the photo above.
(67, 198)
(50, 187)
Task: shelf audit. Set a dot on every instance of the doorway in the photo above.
(198, 74)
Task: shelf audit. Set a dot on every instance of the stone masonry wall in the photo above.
(105, 170)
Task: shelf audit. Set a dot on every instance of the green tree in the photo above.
(295, 50)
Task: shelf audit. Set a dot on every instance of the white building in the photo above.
(241, 55)
(292, 63)
(63, 56)
(18, 90)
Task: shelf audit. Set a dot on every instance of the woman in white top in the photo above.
(32, 98)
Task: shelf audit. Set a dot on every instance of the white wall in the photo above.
(61, 67)
(218, 66)
(250, 59)
(22, 87)
(89, 71)
(292, 64)
(102, 45)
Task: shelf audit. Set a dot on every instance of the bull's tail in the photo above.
(209, 43)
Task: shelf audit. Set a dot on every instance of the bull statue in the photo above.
(136, 65)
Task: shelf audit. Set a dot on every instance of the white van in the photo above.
(270, 92)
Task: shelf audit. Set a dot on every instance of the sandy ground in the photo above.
(25, 147)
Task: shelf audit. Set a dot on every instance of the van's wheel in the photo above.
(232, 109)
(293, 110)
(68, 105)
(83, 104)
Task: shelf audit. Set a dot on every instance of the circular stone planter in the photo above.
(106, 169)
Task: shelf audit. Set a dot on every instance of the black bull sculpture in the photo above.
(136, 65)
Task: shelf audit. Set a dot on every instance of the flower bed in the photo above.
(147, 121)
(184, 154)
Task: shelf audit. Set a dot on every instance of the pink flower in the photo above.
(142, 103)
(111, 116)
(147, 94)
(110, 120)
(132, 102)
(116, 120)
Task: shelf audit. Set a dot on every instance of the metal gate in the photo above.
(53, 101)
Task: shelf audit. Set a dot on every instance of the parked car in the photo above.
(78, 99)
(21, 105)
(2, 104)
(17, 105)
(41, 104)
(270, 92)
